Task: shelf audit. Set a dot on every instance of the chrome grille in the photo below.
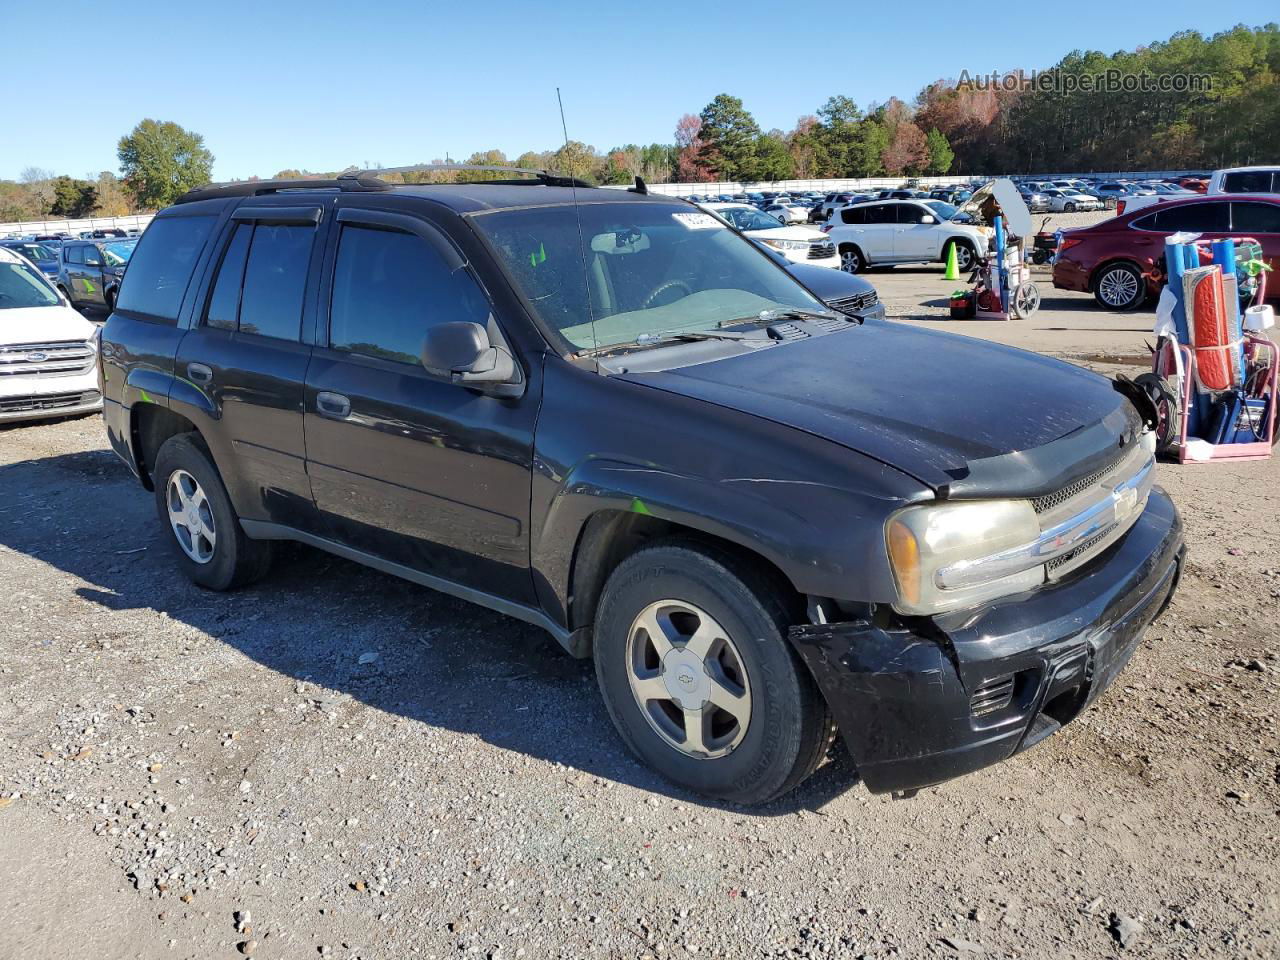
(859, 301)
(61, 359)
(1057, 562)
(992, 696)
(821, 250)
(1059, 497)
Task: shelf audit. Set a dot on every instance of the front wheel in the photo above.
(966, 257)
(1069, 208)
(699, 678)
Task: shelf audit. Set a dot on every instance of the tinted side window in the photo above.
(910, 213)
(388, 287)
(1200, 217)
(881, 213)
(854, 215)
(224, 303)
(275, 277)
(1255, 217)
(161, 266)
(75, 254)
(1247, 181)
(1145, 223)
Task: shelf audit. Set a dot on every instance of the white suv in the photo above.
(48, 352)
(1245, 180)
(904, 231)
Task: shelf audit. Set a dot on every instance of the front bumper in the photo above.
(38, 398)
(962, 691)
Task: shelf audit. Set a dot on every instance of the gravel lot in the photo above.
(358, 767)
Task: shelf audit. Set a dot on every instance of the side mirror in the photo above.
(462, 352)
(928, 219)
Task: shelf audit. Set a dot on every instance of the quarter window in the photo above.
(854, 215)
(161, 267)
(389, 287)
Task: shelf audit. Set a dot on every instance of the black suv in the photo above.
(606, 413)
(90, 271)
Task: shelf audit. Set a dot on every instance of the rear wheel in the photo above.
(1025, 300)
(851, 259)
(1120, 286)
(699, 678)
(205, 532)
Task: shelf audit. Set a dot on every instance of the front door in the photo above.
(914, 239)
(419, 471)
(84, 274)
(245, 355)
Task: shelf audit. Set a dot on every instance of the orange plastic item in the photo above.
(1211, 336)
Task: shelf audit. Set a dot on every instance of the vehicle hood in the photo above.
(786, 233)
(42, 325)
(966, 417)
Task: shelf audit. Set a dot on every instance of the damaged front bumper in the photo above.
(965, 690)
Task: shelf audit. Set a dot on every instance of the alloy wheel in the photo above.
(191, 516)
(1118, 287)
(850, 261)
(688, 679)
(964, 258)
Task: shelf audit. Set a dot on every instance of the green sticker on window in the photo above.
(539, 257)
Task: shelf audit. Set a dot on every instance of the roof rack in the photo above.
(367, 181)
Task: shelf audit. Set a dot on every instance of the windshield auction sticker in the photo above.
(697, 221)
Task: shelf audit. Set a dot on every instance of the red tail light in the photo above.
(1068, 243)
(1120, 205)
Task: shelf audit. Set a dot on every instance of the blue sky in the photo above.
(323, 85)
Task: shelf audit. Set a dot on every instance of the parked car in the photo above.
(43, 256)
(1066, 201)
(1195, 184)
(1036, 202)
(849, 293)
(1160, 192)
(1121, 260)
(1245, 180)
(89, 272)
(796, 243)
(904, 231)
(47, 350)
(787, 213)
(609, 415)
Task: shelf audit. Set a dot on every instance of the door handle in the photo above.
(333, 405)
(200, 373)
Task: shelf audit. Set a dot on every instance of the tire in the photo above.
(1119, 287)
(1069, 208)
(966, 256)
(223, 558)
(1165, 399)
(1024, 301)
(851, 259)
(678, 586)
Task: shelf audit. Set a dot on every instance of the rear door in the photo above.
(245, 359)
(417, 470)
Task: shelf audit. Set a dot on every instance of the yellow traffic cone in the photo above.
(953, 270)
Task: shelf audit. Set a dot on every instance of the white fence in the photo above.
(74, 227)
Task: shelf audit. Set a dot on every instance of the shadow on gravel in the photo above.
(439, 661)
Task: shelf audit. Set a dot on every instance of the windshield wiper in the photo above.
(782, 313)
(668, 336)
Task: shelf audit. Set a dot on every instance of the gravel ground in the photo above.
(337, 763)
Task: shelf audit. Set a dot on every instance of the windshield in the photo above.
(749, 219)
(21, 286)
(636, 269)
(117, 254)
(33, 251)
(943, 209)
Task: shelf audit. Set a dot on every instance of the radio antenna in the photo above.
(577, 215)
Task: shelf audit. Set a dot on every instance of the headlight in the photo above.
(786, 244)
(950, 555)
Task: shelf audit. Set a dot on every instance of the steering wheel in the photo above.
(663, 288)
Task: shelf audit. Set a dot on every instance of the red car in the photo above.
(1121, 260)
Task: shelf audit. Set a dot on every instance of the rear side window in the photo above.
(881, 213)
(161, 267)
(1248, 181)
(275, 277)
(389, 287)
(1198, 217)
(854, 215)
(75, 254)
(1255, 217)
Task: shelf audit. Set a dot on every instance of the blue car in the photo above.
(44, 256)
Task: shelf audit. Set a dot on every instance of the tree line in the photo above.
(1020, 123)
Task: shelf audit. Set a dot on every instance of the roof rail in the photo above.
(353, 183)
(536, 177)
